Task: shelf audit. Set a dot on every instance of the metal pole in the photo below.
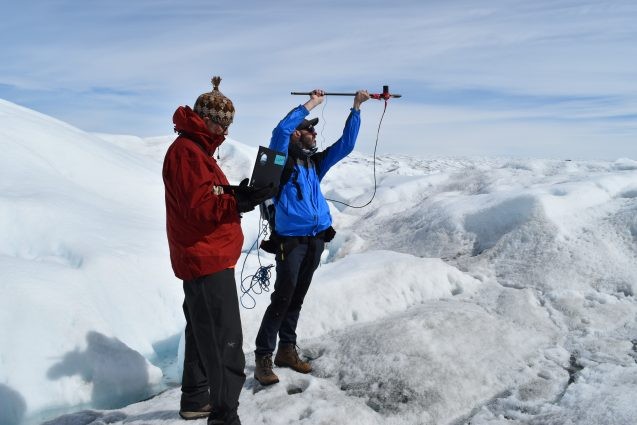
(296, 93)
(327, 94)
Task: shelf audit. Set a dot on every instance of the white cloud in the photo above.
(154, 56)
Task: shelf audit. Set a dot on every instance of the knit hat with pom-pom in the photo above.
(215, 105)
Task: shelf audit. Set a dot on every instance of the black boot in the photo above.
(227, 418)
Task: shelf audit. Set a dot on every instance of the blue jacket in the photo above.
(308, 214)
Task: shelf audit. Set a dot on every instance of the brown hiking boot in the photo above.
(263, 370)
(287, 356)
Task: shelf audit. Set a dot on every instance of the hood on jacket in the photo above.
(188, 123)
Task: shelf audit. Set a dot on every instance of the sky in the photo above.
(489, 290)
(551, 79)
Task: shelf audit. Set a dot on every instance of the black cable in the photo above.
(375, 185)
(324, 122)
(260, 280)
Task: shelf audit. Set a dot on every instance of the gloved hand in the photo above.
(250, 197)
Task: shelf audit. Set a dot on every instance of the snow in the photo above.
(482, 290)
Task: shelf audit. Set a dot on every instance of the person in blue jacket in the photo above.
(303, 224)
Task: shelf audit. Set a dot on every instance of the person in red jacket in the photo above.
(205, 240)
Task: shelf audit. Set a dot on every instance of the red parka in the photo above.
(204, 229)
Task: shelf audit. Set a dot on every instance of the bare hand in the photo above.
(360, 97)
(316, 98)
(317, 94)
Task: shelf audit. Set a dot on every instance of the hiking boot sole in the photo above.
(189, 416)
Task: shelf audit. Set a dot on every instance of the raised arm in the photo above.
(281, 133)
(345, 145)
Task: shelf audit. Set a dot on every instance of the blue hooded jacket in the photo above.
(308, 214)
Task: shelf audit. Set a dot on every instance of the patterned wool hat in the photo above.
(215, 105)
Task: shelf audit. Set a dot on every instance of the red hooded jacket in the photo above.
(204, 229)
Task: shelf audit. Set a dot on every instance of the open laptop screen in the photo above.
(268, 168)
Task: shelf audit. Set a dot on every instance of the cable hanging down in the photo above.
(374, 166)
(259, 282)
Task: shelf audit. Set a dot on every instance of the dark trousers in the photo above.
(294, 271)
(214, 359)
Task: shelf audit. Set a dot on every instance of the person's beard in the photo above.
(308, 142)
(308, 145)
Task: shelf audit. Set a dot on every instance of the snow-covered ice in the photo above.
(471, 290)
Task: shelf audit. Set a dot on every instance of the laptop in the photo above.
(268, 168)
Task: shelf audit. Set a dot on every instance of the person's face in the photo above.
(215, 128)
(307, 138)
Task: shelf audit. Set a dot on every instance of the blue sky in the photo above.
(512, 78)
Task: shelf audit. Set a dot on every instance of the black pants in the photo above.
(294, 271)
(214, 359)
